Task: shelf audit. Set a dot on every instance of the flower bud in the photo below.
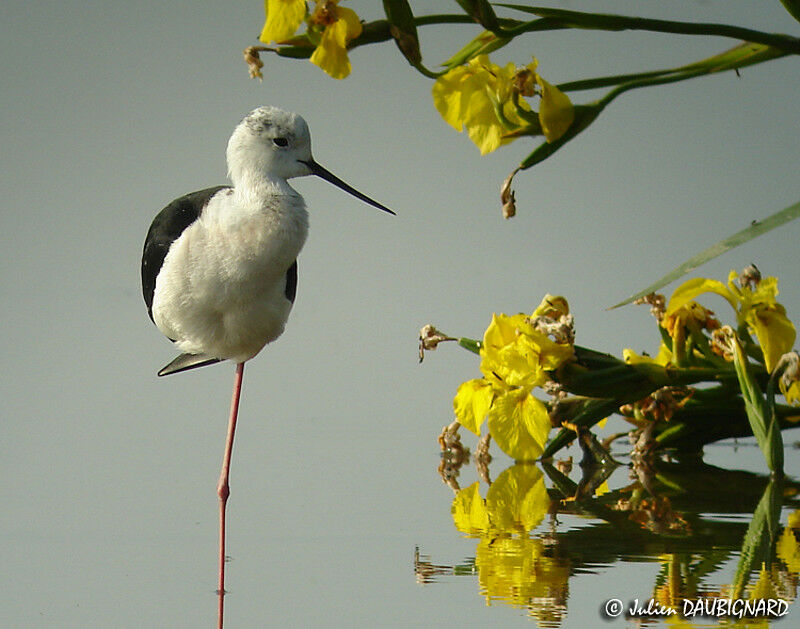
(507, 196)
(429, 339)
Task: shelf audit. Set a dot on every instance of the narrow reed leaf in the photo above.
(755, 229)
(760, 536)
(484, 44)
(760, 413)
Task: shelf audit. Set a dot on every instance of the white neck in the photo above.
(254, 186)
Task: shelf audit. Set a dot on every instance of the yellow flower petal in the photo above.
(516, 365)
(517, 501)
(331, 53)
(793, 394)
(502, 331)
(690, 289)
(465, 96)
(775, 333)
(552, 307)
(763, 588)
(556, 112)
(472, 403)
(788, 550)
(451, 94)
(602, 489)
(518, 571)
(519, 424)
(469, 511)
(283, 18)
(517, 354)
(663, 358)
(551, 354)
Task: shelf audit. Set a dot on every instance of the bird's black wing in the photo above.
(167, 226)
(291, 282)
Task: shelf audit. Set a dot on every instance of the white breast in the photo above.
(221, 289)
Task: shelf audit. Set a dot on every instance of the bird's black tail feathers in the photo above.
(184, 362)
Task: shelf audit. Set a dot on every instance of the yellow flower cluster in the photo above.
(330, 27)
(485, 99)
(515, 358)
(755, 305)
(754, 301)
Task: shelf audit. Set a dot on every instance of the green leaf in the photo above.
(761, 534)
(403, 29)
(484, 44)
(482, 12)
(793, 7)
(593, 410)
(584, 116)
(760, 413)
(756, 228)
(740, 56)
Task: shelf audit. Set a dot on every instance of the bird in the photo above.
(219, 266)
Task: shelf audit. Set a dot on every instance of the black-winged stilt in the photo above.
(219, 268)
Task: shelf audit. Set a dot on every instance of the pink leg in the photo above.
(223, 490)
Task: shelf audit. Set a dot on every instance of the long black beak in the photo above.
(327, 175)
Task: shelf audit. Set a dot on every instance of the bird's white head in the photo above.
(269, 143)
(273, 145)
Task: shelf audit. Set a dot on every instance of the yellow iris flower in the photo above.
(756, 307)
(515, 358)
(332, 26)
(765, 317)
(478, 97)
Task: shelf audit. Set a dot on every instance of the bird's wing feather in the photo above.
(291, 282)
(167, 226)
(185, 362)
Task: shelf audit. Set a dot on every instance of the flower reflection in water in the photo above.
(716, 534)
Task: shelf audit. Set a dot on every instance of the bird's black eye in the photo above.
(280, 141)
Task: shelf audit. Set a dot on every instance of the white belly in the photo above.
(221, 290)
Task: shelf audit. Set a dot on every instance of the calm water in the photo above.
(335, 542)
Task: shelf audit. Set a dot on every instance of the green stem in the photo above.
(649, 82)
(607, 81)
(608, 22)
